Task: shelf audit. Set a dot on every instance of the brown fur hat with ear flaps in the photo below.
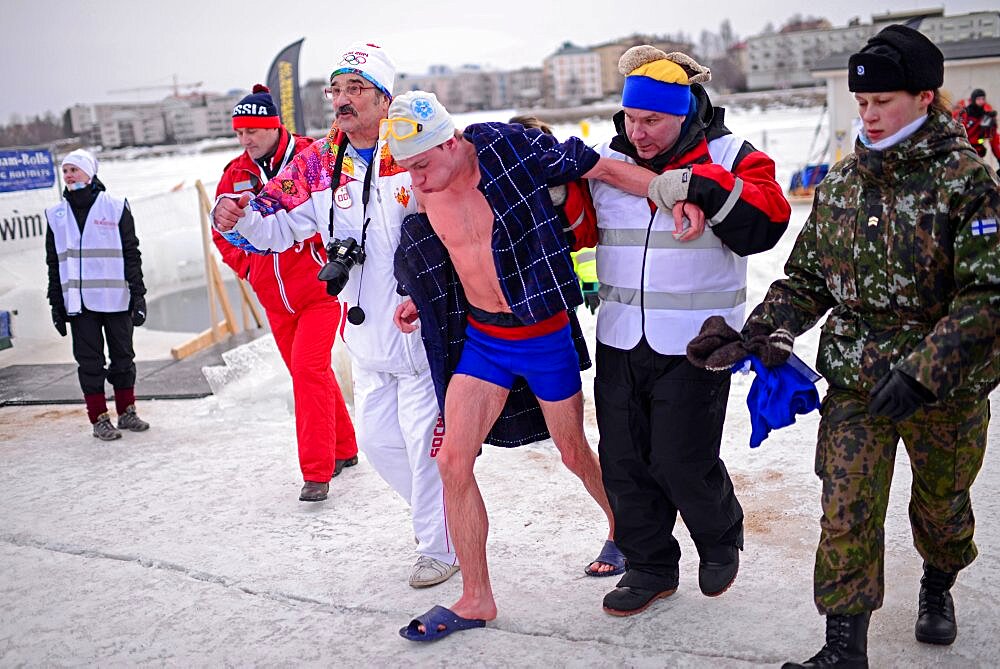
(638, 56)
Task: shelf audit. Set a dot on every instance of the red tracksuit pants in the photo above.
(323, 426)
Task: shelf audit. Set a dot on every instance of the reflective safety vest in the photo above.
(654, 285)
(91, 264)
(585, 264)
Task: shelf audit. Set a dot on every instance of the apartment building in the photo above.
(785, 59)
(610, 52)
(572, 76)
(174, 119)
(471, 88)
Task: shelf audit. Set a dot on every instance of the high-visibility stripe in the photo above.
(575, 224)
(585, 256)
(726, 299)
(727, 206)
(91, 253)
(95, 283)
(658, 239)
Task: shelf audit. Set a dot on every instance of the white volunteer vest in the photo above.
(91, 264)
(654, 285)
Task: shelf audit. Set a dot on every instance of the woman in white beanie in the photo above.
(95, 285)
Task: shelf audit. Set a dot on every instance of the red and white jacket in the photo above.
(284, 282)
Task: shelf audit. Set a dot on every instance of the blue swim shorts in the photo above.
(548, 362)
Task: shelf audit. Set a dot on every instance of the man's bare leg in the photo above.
(471, 408)
(564, 420)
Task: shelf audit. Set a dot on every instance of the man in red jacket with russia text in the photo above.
(303, 317)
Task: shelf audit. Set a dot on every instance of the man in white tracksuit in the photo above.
(396, 412)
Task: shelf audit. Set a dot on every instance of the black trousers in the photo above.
(89, 330)
(661, 429)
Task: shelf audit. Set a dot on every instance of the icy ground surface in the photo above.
(186, 546)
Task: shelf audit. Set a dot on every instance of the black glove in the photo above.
(897, 396)
(591, 300)
(59, 319)
(138, 310)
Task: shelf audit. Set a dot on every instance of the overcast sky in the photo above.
(54, 53)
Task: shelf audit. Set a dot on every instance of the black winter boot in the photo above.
(936, 616)
(846, 644)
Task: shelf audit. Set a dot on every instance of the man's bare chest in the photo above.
(463, 221)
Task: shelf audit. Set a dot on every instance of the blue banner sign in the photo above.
(26, 169)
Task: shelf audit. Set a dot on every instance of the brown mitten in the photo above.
(717, 347)
(772, 347)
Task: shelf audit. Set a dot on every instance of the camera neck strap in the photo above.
(338, 168)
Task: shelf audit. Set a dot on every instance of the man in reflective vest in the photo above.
(662, 274)
(95, 285)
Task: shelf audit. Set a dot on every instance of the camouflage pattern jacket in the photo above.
(902, 246)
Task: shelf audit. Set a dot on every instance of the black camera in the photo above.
(989, 119)
(342, 255)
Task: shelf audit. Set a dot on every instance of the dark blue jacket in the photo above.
(530, 254)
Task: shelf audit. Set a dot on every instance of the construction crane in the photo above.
(176, 87)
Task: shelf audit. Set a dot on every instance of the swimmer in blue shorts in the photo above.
(490, 219)
(499, 348)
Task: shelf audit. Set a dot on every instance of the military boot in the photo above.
(104, 430)
(846, 644)
(936, 615)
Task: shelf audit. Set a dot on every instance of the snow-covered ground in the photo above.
(186, 545)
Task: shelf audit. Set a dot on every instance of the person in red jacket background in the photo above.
(980, 122)
(303, 317)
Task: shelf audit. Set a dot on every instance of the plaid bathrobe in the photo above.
(530, 255)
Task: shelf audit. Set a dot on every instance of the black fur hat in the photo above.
(896, 59)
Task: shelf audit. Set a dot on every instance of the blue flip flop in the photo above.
(438, 615)
(609, 555)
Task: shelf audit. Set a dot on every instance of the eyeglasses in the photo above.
(352, 90)
(400, 128)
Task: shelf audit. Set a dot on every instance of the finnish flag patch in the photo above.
(984, 226)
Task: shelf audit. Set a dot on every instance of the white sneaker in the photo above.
(429, 571)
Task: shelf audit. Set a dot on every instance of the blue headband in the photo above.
(642, 92)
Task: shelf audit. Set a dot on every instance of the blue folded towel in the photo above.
(778, 394)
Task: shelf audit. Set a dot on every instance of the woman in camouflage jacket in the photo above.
(902, 249)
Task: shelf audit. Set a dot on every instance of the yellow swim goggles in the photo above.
(400, 128)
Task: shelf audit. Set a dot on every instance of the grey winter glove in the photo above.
(138, 310)
(667, 189)
(558, 195)
(59, 319)
(897, 396)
